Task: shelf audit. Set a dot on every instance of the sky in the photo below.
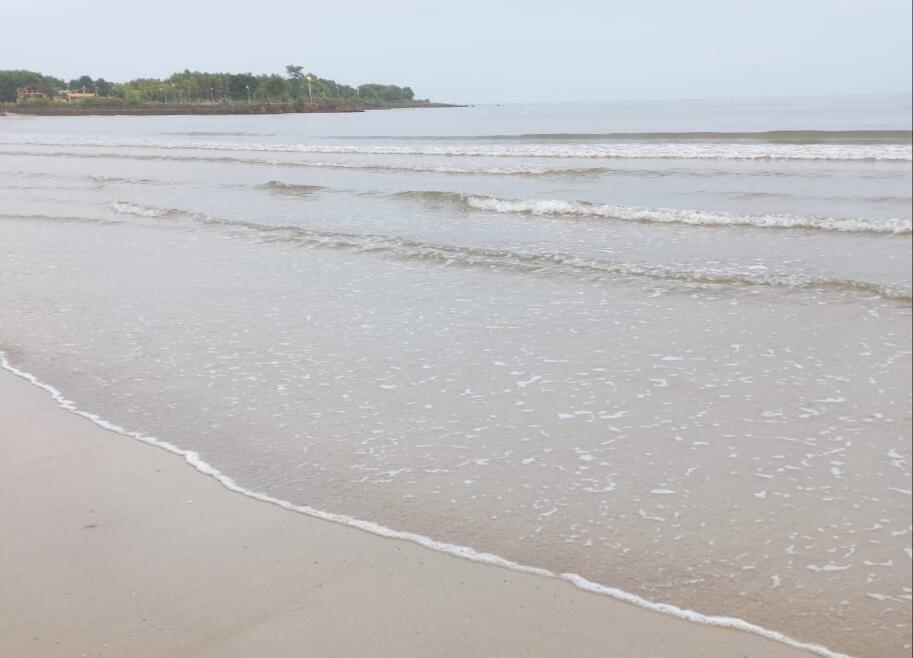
(479, 51)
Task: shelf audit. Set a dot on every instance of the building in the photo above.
(76, 95)
(31, 93)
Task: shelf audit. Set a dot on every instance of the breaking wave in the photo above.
(521, 170)
(127, 208)
(767, 137)
(290, 189)
(543, 263)
(557, 208)
(622, 150)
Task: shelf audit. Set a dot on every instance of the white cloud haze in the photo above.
(476, 51)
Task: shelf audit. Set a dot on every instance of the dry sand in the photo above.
(114, 548)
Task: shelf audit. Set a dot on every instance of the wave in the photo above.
(540, 263)
(118, 179)
(217, 133)
(628, 150)
(379, 167)
(28, 174)
(290, 189)
(37, 186)
(94, 178)
(766, 137)
(194, 459)
(127, 208)
(65, 219)
(905, 201)
(519, 170)
(557, 208)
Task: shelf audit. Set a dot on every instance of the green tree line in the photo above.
(198, 87)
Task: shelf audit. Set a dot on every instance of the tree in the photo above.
(198, 87)
(239, 84)
(385, 93)
(82, 82)
(296, 80)
(272, 88)
(12, 81)
(103, 87)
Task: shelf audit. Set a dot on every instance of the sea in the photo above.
(661, 350)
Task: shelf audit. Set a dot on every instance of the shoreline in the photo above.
(210, 109)
(487, 610)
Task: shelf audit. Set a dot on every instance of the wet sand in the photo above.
(115, 548)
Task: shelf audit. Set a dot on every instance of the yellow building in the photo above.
(78, 94)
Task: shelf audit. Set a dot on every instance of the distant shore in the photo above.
(155, 109)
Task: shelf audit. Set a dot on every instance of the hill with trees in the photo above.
(295, 89)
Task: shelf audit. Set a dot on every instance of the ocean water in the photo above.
(664, 347)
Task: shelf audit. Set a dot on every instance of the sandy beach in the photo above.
(115, 548)
(610, 355)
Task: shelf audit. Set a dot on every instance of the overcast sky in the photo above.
(484, 50)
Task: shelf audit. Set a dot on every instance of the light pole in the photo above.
(248, 94)
(310, 93)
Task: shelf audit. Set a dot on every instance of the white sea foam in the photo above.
(547, 207)
(193, 458)
(520, 170)
(397, 247)
(127, 208)
(467, 170)
(827, 567)
(627, 150)
(597, 169)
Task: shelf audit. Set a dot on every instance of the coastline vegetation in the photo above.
(297, 90)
